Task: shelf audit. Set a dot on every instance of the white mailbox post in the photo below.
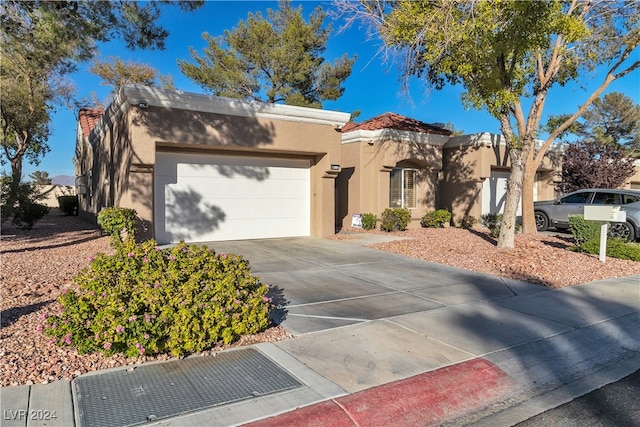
(605, 214)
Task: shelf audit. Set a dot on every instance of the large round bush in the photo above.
(147, 300)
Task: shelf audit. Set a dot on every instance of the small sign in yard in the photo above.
(356, 221)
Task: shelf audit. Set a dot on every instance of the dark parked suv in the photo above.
(555, 213)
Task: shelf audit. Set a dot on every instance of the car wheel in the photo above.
(622, 230)
(542, 221)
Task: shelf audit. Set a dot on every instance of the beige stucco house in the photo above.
(205, 168)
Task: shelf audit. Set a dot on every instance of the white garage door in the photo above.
(202, 198)
(494, 193)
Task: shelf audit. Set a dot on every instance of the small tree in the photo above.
(20, 203)
(42, 43)
(594, 165)
(273, 59)
(116, 73)
(40, 178)
(615, 120)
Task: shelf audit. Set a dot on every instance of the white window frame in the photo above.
(403, 181)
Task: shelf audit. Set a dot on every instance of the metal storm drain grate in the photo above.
(154, 392)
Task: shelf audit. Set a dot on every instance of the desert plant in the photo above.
(369, 221)
(468, 222)
(493, 222)
(436, 219)
(148, 300)
(584, 230)
(395, 219)
(116, 221)
(20, 204)
(68, 204)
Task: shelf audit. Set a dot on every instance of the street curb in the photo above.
(425, 399)
(564, 394)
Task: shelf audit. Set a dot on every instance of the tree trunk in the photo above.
(528, 181)
(506, 240)
(16, 174)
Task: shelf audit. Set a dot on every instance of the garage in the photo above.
(201, 197)
(494, 193)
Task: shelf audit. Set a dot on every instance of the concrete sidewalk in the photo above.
(383, 339)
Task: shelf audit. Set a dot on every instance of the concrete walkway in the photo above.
(383, 339)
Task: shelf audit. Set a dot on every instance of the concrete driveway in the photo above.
(321, 284)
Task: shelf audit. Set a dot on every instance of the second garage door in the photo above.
(494, 193)
(215, 197)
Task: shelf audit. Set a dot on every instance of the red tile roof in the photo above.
(88, 118)
(397, 122)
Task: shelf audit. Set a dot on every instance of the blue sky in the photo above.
(373, 87)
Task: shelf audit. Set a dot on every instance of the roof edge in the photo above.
(490, 139)
(141, 95)
(145, 96)
(362, 135)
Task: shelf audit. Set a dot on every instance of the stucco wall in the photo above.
(634, 181)
(469, 159)
(363, 184)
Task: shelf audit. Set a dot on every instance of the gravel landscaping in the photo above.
(38, 265)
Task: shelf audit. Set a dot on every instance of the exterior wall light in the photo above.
(335, 167)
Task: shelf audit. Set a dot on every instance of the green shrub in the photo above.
(584, 230)
(395, 219)
(369, 221)
(493, 222)
(616, 248)
(436, 219)
(147, 300)
(20, 204)
(116, 221)
(68, 204)
(467, 222)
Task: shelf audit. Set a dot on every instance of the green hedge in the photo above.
(68, 204)
(436, 219)
(616, 248)
(369, 221)
(583, 230)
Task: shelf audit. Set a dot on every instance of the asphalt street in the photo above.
(614, 405)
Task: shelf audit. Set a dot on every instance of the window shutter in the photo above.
(395, 188)
(409, 188)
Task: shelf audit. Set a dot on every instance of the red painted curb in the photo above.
(324, 414)
(424, 399)
(429, 398)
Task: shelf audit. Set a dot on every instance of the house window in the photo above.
(402, 188)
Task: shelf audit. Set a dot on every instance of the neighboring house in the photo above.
(205, 168)
(394, 161)
(633, 182)
(50, 193)
(475, 172)
(389, 161)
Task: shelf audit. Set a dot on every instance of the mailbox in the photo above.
(606, 213)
